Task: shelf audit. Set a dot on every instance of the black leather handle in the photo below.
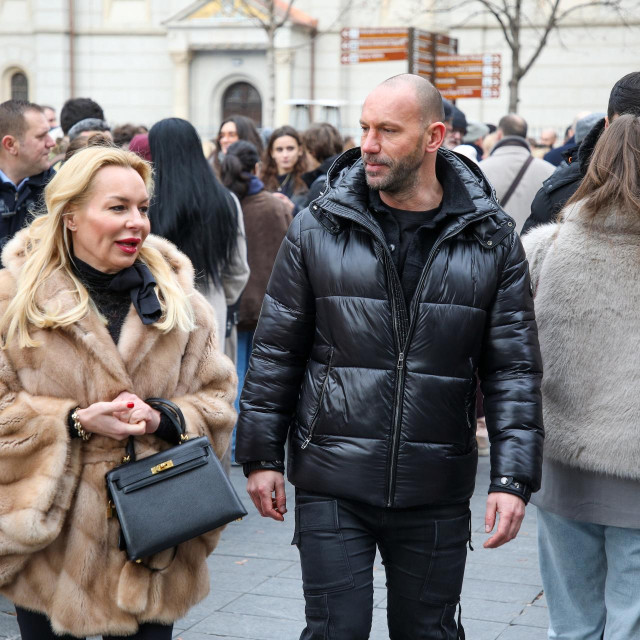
(172, 411)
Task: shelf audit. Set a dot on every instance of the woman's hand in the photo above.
(103, 418)
(137, 411)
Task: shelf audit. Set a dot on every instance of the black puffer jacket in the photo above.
(378, 401)
(563, 182)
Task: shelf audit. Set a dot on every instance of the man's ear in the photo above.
(11, 144)
(606, 122)
(434, 136)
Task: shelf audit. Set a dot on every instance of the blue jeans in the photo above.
(423, 550)
(245, 343)
(591, 577)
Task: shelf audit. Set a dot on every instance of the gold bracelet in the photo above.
(85, 435)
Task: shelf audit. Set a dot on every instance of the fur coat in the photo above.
(587, 307)
(58, 550)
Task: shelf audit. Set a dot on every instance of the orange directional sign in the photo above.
(373, 45)
(432, 55)
(459, 76)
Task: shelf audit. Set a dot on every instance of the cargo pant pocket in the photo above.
(316, 613)
(323, 555)
(443, 582)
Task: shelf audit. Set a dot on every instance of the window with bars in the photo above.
(19, 86)
(243, 99)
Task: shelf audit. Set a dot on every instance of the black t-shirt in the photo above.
(410, 236)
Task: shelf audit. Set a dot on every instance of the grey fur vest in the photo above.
(587, 281)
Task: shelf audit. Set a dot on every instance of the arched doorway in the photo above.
(19, 86)
(242, 98)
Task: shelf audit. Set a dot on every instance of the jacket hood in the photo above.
(348, 188)
(588, 145)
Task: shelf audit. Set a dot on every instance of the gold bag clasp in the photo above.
(163, 466)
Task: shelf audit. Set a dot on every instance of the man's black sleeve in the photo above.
(281, 348)
(511, 373)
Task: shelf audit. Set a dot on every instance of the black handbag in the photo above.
(171, 496)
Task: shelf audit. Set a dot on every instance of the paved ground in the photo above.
(256, 588)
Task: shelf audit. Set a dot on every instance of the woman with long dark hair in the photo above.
(584, 271)
(203, 219)
(266, 220)
(283, 164)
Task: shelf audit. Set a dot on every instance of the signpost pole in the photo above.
(410, 48)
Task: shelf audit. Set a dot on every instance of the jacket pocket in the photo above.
(316, 413)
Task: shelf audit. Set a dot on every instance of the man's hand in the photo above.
(261, 486)
(511, 510)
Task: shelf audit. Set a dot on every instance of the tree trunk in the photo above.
(515, 80)
(271, 70)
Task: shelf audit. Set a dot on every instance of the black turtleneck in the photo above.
(113, 305)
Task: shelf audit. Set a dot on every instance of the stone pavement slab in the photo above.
(256, 586)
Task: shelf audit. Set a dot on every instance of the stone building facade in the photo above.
(144, 60)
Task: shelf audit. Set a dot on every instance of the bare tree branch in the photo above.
(551, 24)
(614, 4)
(495, 12)
(471, 16)
(286, 14)
(513, 16)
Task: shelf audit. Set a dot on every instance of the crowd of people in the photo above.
(373, 309)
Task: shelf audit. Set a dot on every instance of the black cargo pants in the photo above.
(423, 550)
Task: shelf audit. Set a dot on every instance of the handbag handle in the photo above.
(173, 412)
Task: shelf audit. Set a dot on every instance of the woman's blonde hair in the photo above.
(613, 177)
(48, 250)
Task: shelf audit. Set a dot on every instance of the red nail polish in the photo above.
(130, 405)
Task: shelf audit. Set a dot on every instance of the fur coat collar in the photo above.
(587, 303)
(58, 550)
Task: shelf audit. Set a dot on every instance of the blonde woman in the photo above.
(95, 316)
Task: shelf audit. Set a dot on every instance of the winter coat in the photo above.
(556, 156)
(266, 220)
(587, 301)
(58, 549)
(563, 182)
(234, 279)
(317, 179)
(378, 401)
(501, 168)
(25, 205)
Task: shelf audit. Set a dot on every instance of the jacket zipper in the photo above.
(403, 345)
(316, 415)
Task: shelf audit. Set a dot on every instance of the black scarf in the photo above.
(139, 282)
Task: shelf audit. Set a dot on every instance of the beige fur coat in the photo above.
(588, 312)
(58, 550)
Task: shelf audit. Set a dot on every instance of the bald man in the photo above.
(400, 285)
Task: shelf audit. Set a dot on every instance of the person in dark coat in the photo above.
(564, 182)
(557, 155)
(323, 144)
(24, 164)
(390, 296)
